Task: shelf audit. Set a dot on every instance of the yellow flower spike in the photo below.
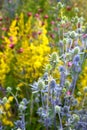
(82, 81)
(35, 51)
(10, 99)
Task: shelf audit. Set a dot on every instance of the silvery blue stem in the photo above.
(15, 98)
(73, 84)
(42, 100)
(61, 127)
(1, 128)
(54, 115)
(71, 44)
(23, 121)
(62, 79)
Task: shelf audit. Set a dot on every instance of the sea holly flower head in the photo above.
(57, 109)
(54, 57)
(41, 84)
(76, 50)
(52, 84)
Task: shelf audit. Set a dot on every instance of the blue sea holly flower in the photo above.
(52, 84)
(54, 58)
(66, 109)
(77, 69)
(62, 68)
(41, 85)
(76, 58)
(19, 124)
(47, 122)
(34, 86)
(45, 76)
(25, 101)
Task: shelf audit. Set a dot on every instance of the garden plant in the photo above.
(43, 66)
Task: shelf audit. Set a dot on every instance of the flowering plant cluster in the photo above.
(25, 52)
(5, 111)
(43, 59)
(57, 106)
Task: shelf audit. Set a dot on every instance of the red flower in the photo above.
(29, 14)
(11, 39)
(46, 16)
(52, 22)
(37, 15)
(4, 29)
(11, 45)
(68, 8)
(39, 32)
(68, 93)
(69, 64)
(20, 50)
(1, 18)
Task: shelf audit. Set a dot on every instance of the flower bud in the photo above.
(61, 68)
(54, 57)
(46, 16)
(9, 89)
(76, 19)
(76, 10)
(4, 100)
(68, 8)
(59, 5)
(66, 109)
(11, 45)
(63, 90)
(64, 40)
(76, 58)
(79, 94)
(76, 50)
(41, 84)
(57, 109)
(19, 129)
(1, 111)
(75, 117)
(22, 107)
(85, 89)
(67, 84)
(73, 34)
(52, 84)
(48, 68)
(68, 56)
(69, 64)
(22, 103)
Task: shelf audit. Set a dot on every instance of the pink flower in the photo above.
(20, 50)
(84, 36)
(69, 64)
(37, 15)
(46, 16)
(52, 22)
(2, 37)
(52, 36)
(1, 18)
(10, 1)
(11, 45)
(68, 93)
(11, 39)
(4, 29)
(55, 29)
(29, 14)
(39, 32)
